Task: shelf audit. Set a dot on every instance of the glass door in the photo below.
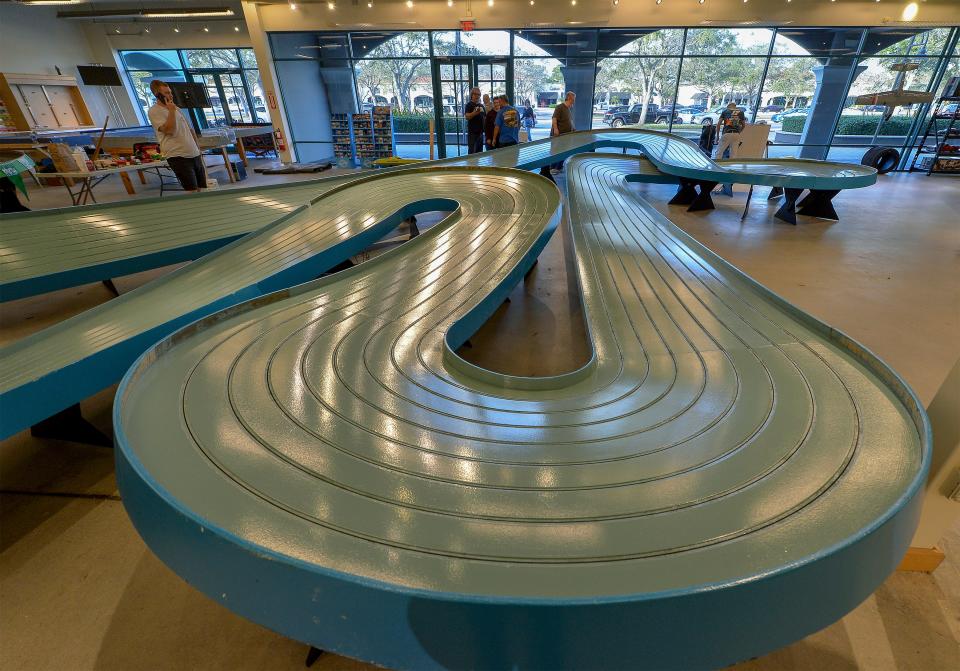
(453, 77)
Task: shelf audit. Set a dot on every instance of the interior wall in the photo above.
(34, 41)
(598, 13)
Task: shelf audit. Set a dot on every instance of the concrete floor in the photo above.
(79, 590)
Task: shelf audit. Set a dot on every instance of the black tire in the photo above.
(661, 119)
(616, 123)
(883, 159)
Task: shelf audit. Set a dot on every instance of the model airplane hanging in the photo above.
(897, 96)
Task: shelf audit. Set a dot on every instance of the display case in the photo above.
(343, 149)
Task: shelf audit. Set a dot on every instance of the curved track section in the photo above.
(48, 250)
(726, 475)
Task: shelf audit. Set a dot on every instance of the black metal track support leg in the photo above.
(535, 262)
(111, 287)
(313, 655)
(703, 201)
(686, 193)
(69, 424)
(818, 204)
(775, 192)
(788, 211)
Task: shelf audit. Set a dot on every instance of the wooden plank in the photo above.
(924, 560)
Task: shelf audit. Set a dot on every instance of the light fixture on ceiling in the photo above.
(489, 3)
(659, 1)
(910, 11)
(186, 13)
(51, 2)
(206, 29)
(293, 6)
(331, 6)
(532, 3)
(409, 4)
(147, 29)
(449, 3)
(369, 5)
(176, 29)
(573, 2)
(117, 29)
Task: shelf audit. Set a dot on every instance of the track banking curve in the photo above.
(725, 476)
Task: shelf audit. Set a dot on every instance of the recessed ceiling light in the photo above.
(206, 29)
(573, 2)
(236, 29)
(489, 3)
(410, 3)
(147, 29)
(369, 5)
(449, 3)
(176, 29)
(531, 3)
(293, 5)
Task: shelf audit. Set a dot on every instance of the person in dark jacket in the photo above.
(491, 122)
(708, 136)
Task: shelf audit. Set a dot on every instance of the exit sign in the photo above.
(468, 25)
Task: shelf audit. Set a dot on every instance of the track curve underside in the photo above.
(725, 476)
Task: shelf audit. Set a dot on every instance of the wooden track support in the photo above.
(923, 560)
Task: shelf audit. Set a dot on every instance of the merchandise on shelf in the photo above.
(384, 145)
(342, 126)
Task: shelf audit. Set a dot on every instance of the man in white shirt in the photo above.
(177, 142)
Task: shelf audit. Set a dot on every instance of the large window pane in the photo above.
(817, 41)
(645, 85)
(255, 86)
(906, 41)
(405, 84)
(316, 46)
(864, 123)
(710, 83)
(786, 96)
(151, 60)
(389, 45)
(640, 41)
(728, 41)
(212, 58)
(539, 81)
(248, 59)
(476, 43)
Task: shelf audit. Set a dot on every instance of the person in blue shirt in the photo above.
(506, 130)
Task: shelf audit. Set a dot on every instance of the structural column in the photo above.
(829, 97)
(580, 78)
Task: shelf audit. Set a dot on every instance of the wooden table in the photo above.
(88, 180)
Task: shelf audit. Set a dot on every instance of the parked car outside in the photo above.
(687, 114)
(624, 116)
(767, 109)
(714, 114)
(790, 111)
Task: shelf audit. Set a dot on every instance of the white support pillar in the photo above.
(268, 75)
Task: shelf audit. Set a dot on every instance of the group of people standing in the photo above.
(494, 123)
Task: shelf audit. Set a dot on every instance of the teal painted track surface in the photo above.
(53, 249)
(295, 242)
(725, 476)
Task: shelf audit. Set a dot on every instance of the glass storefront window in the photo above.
(390, 45)
(248, 59)
(476, 43)
(817, 41)
(796, 79)
(906, 41)
(152, 59)
(728, 41)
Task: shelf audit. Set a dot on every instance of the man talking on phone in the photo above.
(177, 141)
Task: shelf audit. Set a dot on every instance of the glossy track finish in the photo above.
(725, 476)
(62, 365)
(53, 249)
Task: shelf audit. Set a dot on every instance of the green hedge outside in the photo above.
(855, 125)
(420, 123)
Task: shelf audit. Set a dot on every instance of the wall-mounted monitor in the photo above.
(99, 75)
(189, 95)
